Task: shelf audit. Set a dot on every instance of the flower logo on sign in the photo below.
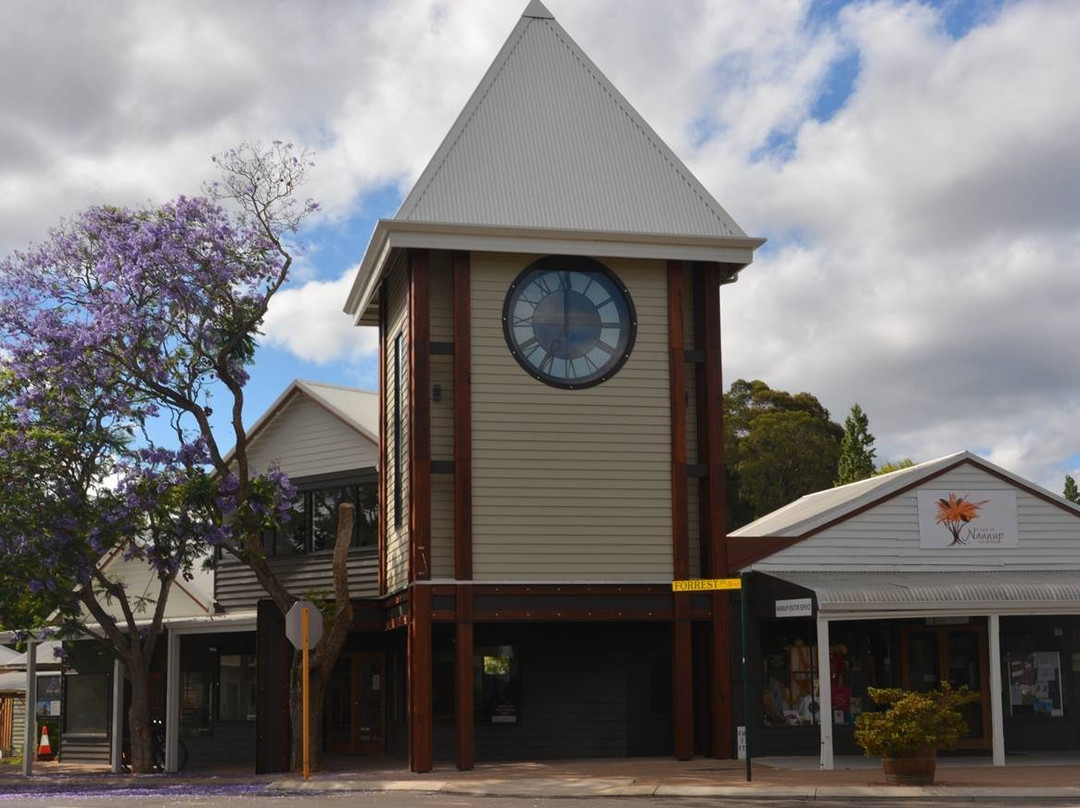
(956, 512)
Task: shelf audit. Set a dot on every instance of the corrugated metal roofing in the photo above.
(814, 510)
(546, 141)
(971, 592)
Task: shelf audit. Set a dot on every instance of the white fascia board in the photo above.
(395, 234)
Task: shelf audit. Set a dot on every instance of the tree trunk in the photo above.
(142, 755)
(324, 656)
(296, 716)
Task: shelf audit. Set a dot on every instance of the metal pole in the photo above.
(304, 692)
(30, 730)
(116, 747)
(744, 617)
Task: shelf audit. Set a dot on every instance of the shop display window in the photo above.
(195, 703)
(87, 704)
(1034, 683)
(791, 691)
(858, 659)
(238, 689)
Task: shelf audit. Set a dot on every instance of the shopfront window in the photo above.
(791, 688)
(196, 703)
(237, 688)
(48, 697)
(1032, 656)
(87, 705)
(860, 657)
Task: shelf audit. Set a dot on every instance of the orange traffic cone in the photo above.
(44, 751)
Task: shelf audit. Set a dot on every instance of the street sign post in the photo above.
(721, 584)
(304, 628)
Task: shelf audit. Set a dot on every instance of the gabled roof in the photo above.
(547, 141)
(358, 409)
(547, 148)
(814, 511)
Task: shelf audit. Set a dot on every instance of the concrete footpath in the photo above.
(1046, 776)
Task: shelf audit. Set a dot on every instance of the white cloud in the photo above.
(924, 237)
(308, 321)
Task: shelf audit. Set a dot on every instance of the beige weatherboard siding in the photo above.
(442, 414)
(570, 485)
(886, 537)
(397, 525)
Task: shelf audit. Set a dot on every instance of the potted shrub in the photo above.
(912, 728)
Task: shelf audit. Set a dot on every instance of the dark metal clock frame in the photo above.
(575, 264)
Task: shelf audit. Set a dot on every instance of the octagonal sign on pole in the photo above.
(292, 624)
(304, 628)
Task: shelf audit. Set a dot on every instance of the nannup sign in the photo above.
(966, 520)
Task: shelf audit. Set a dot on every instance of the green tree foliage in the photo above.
(1071, 493)
(778, 446)
(856, 449)
(895, 465)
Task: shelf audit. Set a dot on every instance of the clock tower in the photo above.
(548, 304)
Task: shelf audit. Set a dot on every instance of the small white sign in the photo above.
(797, 607)
(967, 520)
(740, 735)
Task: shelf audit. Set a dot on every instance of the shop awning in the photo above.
(851, 594)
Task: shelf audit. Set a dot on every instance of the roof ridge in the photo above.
(336, 386)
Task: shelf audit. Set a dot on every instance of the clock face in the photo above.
(569, 321)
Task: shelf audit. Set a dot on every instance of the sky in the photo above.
(915, 167)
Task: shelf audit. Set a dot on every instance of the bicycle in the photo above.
(157, 749)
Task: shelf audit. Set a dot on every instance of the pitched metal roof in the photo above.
(547, 141)
(547, 156)
(822, 507)
(1047, 591)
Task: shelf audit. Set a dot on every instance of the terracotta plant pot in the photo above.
(911, 768)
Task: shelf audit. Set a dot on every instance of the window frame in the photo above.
(306, 488)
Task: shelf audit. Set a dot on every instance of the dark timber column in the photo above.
(420, 673)
(714, 509)
(463, 702)
(681, 655)
(420, 417)
(383, 400)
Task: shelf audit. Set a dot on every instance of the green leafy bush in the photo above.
(913, 720)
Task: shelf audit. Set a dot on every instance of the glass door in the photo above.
(355, 704)
(957, 655)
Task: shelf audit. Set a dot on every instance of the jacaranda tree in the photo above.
(125, 321)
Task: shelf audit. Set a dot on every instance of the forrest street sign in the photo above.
(706, 584)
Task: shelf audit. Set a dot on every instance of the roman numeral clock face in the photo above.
(569, 322)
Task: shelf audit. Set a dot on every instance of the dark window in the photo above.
(312, 524)
(236, 686)
(87, 705)
(497, 685)
(399, 382)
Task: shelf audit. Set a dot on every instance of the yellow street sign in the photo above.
(706, 584)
